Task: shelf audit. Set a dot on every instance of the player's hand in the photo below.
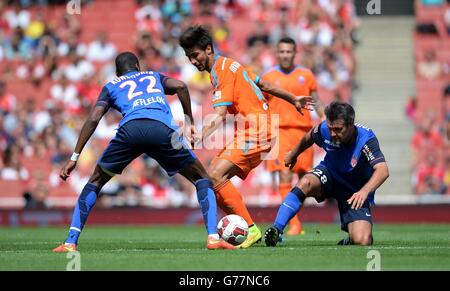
(196, 140)
(290, 160)
(304, 102)
(190, 133)
(357, 200)
(67, 169)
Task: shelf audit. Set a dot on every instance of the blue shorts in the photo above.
(330, 188)
(146, 136)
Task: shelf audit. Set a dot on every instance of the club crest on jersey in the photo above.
(301, 80)
(217, 95)
(354, 162)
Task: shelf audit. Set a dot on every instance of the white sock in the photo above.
(214, 236)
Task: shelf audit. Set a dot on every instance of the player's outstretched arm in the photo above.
(300, 102)
(87, 130)
(173, 86)
(380, 174)
(291, 157)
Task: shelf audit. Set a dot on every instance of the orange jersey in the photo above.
(236, 88)
(300, 82)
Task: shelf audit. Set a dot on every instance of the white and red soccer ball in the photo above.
(233, 229)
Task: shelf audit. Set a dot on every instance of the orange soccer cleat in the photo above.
(65, 248)
(216, 244)
(295, 230)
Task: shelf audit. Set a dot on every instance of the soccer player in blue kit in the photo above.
(353, 168)
(147, 127)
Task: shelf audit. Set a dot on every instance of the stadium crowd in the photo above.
(430, 109)
(38, 133)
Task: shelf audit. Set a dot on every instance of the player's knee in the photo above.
(305, 185)
(216, 177)
(362, 239)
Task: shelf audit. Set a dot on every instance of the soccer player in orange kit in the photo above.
(238, 92)
(293, 125)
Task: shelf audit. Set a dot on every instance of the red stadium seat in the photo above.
(11, 194)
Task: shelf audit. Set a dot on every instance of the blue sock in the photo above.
(86, 201)
(207, 201)
(288, 208)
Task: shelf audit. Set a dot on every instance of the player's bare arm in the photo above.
(380, 174)
(300, 102)
(87, 130)
(219, 115)
(291, 157)
(173, 86)
(318, 106)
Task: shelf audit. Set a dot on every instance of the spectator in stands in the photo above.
(430, 68)
(36, 196)
(411, 109)
(18, 17)
(35, 30)
(65, 92)
(426, 140)
(31, 70)
(148, 17)
(260, 35)
(284, 28)
(7, 100)
(430, 177)
(70, 44)
(101, 50)
(16, 47)
(106, 128)
(333, 74)
(12, 167)
(78, 68)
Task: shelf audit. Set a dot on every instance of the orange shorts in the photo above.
(288, 140)
(246, 160)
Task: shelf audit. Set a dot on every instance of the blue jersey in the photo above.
(350, 164)
(138, 95)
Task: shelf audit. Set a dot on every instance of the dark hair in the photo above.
(340, 111)
(196, 36)
(126, 62)
(289, 41)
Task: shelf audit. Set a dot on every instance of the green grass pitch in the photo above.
(401, 247)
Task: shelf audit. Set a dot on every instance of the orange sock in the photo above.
(284, 189)
(230, 201)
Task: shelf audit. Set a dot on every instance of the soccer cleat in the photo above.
(272, 236)
(254, 236)
(65, 248)
(217, 244)
(344, 242)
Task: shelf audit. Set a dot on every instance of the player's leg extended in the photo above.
(295, 226)
(308, 186)
(197, 175)
(83, 207)
(229, 199)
